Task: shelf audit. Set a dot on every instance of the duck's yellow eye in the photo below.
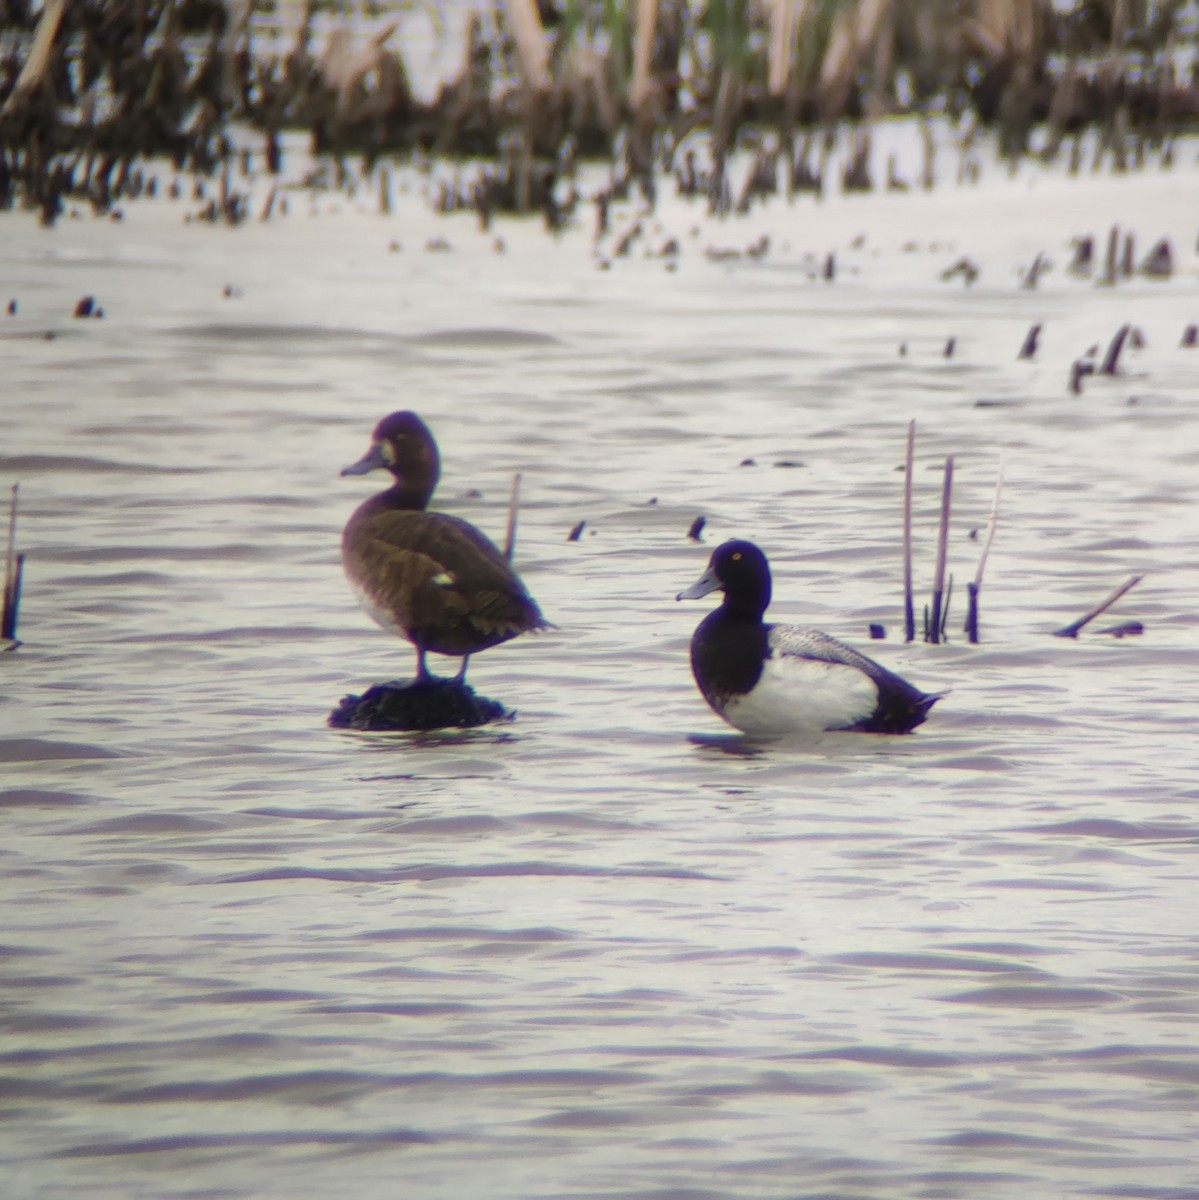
(737, 556)
(388, 450)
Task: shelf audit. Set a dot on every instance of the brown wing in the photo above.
(444, 581)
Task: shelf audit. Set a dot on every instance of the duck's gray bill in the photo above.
(372, 460)
(706, 583)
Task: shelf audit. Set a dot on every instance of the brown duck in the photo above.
(432, 578)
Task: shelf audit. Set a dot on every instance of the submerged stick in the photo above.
(909, 612)
(1072, 630)
(934, 627)
(513, 508)
(973, 588)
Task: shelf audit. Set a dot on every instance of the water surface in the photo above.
(610, 948)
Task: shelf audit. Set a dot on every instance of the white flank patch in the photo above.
(802, 695)
(377, 613)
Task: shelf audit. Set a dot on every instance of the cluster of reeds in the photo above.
(936, 613)
(92, 87)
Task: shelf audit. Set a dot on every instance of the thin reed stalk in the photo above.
(644, 27)
(13, 567)
(37, 64)
(945, 606)
(785, 16)
(530, 41)
(909, 612)
(934, 627)
(975, 585)
(513, 510)
(1110, 264)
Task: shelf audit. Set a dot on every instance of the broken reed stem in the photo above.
(934, 627)
(971, 626)
(513, 508)
(269, 206)
(909, 612)
(972, 589)
(13, 566)
(1072, 630)
(1113, 250)
(12, 604)
(1111, 360)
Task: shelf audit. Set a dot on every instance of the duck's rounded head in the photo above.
(403, 445)
(740, 570)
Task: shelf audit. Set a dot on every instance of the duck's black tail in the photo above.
(901, 707)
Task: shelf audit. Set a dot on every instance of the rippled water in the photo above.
(610, 948)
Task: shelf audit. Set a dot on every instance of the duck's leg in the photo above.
(422, 670)
(460, 678)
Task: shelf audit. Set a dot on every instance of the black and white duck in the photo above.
(772, 680)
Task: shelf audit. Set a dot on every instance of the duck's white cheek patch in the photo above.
(803, 695)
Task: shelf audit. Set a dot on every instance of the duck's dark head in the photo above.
(740, 570)
(403, 445)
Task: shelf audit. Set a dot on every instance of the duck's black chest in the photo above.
(727, 655)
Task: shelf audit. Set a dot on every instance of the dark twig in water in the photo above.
(975, 585)
(1111, 360)
(1125, 629)
(909, 612)
(696, 532)
(1029, 349)
(14, 565)
(513, 509)
(576, 532)
(1032, 276)
(934, 627)
(1072, 630)
(1079, 370)
(945, 607)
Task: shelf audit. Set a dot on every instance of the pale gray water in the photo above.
(586, 954)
